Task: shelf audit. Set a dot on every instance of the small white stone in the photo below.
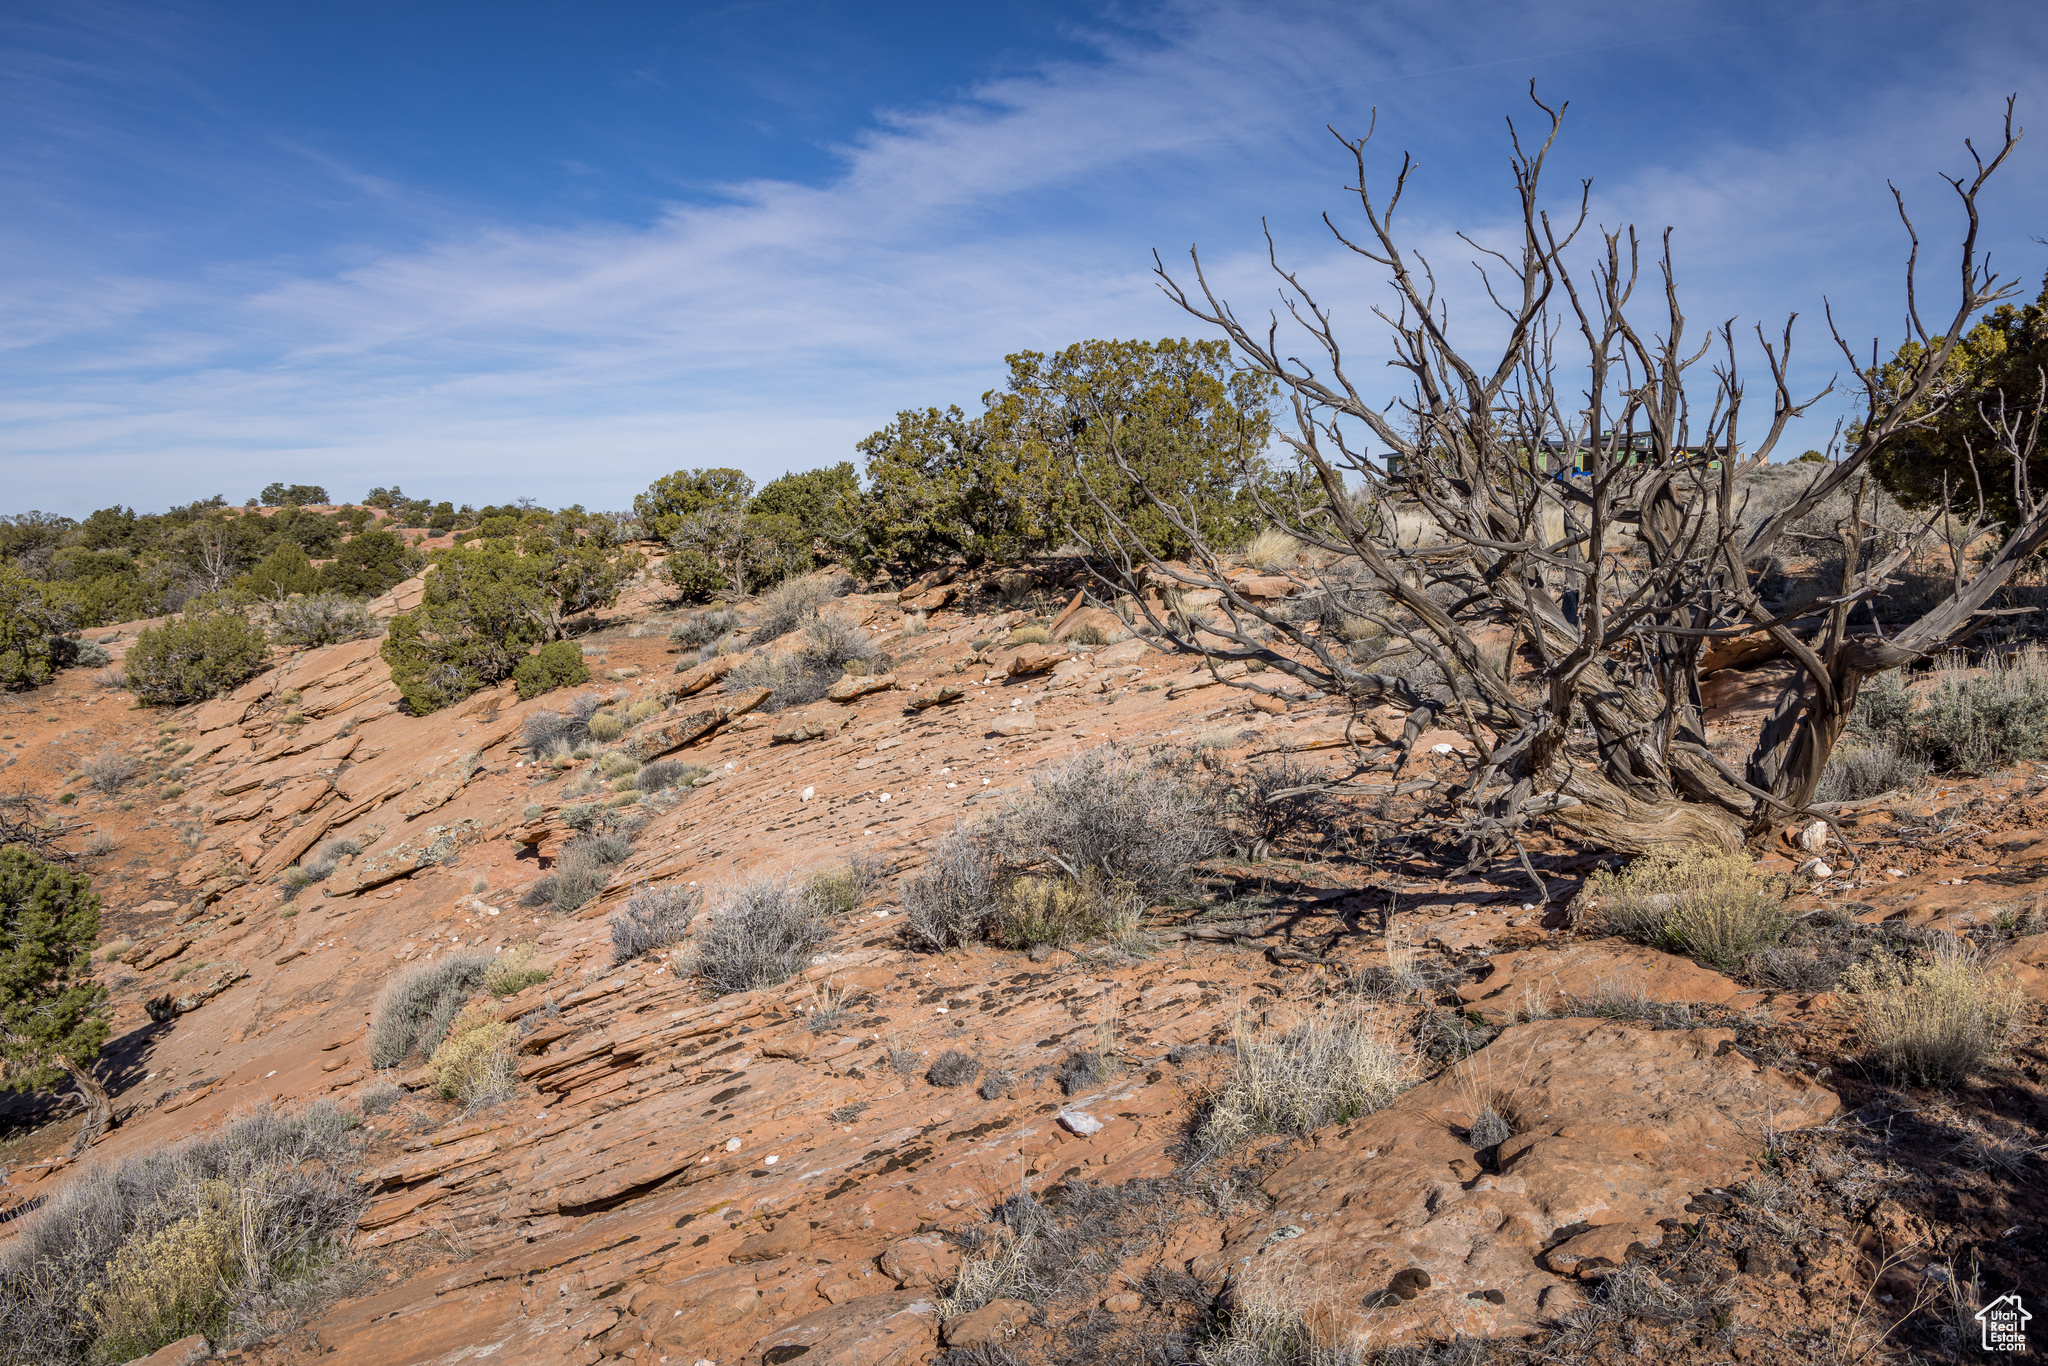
(732, 1145)
(939, 1010)
(809, 793)
(770, 1160)
(1079, 1122)
(1441, 749)
(885, 797)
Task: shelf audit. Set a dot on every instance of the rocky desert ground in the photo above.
(984, 1156)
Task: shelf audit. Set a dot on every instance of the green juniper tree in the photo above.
(53, 1015)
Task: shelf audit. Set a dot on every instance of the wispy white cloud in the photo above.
(772, 324)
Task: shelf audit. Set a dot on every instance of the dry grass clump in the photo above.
(1271, 548)
(235, 1235)
(473, 1064)
(1720, 909)
(1936, 1021)
(1094, 841)
(763, 933)
(653, 921)
(953, 1068)
(1030, 635)
(1330, 1068)
(416, 1009)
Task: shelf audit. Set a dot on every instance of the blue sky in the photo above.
(492, 250)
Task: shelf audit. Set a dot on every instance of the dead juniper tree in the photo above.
(1555, 533)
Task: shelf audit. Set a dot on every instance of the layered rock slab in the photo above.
(1618, 1129)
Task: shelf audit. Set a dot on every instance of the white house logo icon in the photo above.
(2004, 1322)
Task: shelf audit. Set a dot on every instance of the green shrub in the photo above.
(194, 657)
(605, 727)
(555, 665)
(416, 1009)
(53, 1016)
(480, 612)
(32, 627)
(515, 971)
(474, 1064)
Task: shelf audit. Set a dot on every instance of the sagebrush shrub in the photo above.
(792, 603)
(193, 658)
(652, 920)
(764, 931)
(208, 1236)
(582, 871)
(106, 771)
(1987, 722)
(705, 628)
(666, 773)
(1093, 841)
(321, 619)
(1857, 771)
(953, 1068)
(415, 1010)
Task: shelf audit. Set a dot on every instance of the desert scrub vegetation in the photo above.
(1332, 1067)
(1969, 722)
(653, 920)
(829, 649)
(1936, 1020)
(763, 932)
(193, 657)
(839, 890)
(582, 871)
(548, 734)
(415, 1010)
(558, 664)
(1271, 548)
(794, 603)
(1720, 909)
(1093, 841)
(473, 1065)
(312, 619)
(704, 630)
(106, 771)
(235, 1235)
(514, 971)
